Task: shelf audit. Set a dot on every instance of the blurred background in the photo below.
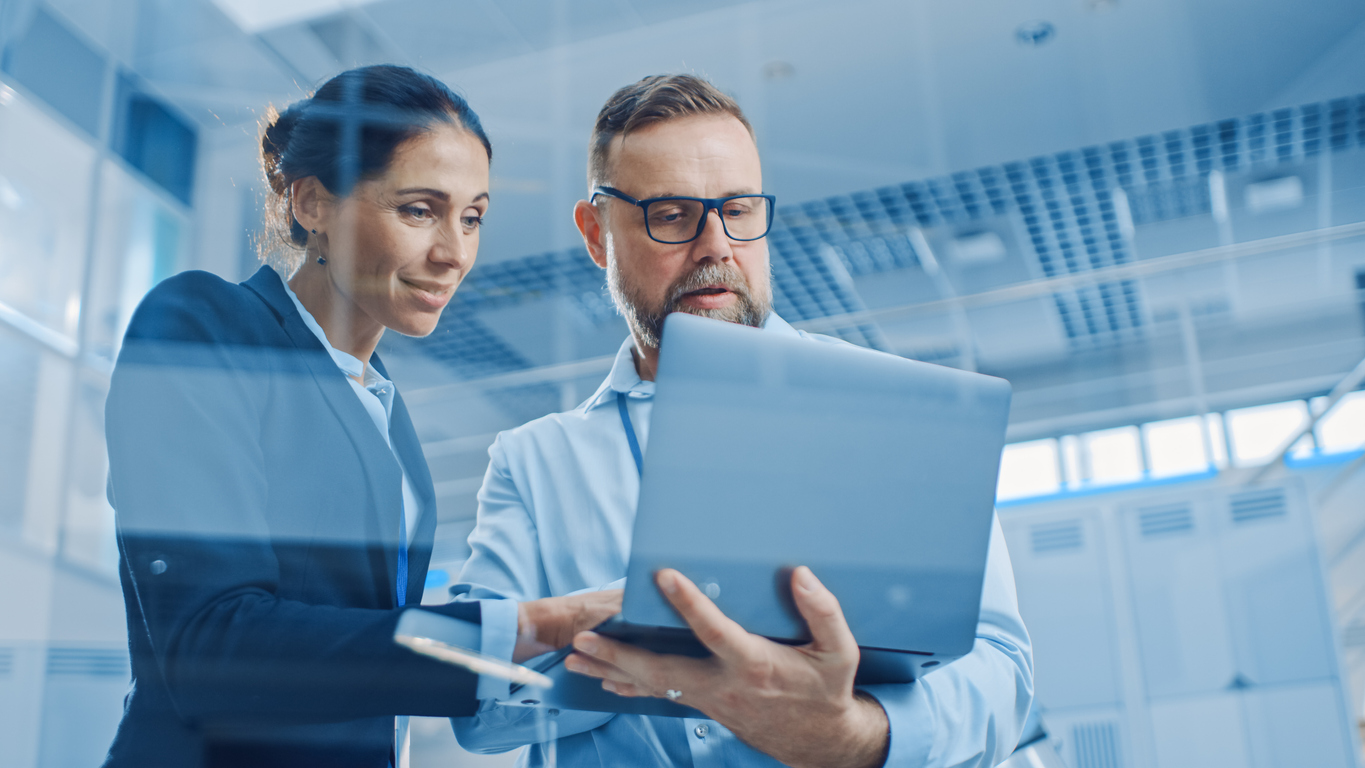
(1148, 215)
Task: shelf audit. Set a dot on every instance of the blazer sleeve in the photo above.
(183, 424)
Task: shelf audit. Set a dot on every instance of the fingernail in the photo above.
(586, 642)
(608, 685)
(573, 664)
(806, 580)
(668, 582)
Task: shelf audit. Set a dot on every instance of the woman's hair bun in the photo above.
(275, 142)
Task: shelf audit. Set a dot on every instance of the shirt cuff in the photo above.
(910, 720)
(498, 636)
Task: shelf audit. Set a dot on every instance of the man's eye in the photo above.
(737, 211)
(415, 211)
(668, 215)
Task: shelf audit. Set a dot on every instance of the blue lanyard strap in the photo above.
(402, 557)
(630, 433)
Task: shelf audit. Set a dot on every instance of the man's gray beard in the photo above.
(648, 326)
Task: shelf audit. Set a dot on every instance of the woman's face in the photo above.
(399, 244)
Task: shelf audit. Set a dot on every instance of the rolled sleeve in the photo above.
(972, 711)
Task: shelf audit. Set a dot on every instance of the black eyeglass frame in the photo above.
(709, 203)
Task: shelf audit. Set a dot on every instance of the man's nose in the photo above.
(713, 243)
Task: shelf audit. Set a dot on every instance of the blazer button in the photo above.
(158, 567)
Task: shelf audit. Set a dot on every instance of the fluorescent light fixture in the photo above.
(1279, 194)
(253, 16)
(10, 197)
(1123, 213)
(978, 248)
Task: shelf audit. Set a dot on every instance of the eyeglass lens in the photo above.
(676, 220)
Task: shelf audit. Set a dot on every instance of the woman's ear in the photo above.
(588, 218)
(312, 204)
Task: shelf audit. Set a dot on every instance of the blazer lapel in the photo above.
(409, 448)
(385, 478)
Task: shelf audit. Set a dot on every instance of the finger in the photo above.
(719, 633)
(652, 672)
(596, 608)
(622, 689)
(820, 608)
(586, 665)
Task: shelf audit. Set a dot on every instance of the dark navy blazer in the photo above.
(258, 521)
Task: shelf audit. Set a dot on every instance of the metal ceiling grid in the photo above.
(1065, 203)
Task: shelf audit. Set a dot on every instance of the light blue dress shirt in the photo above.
(555, 516)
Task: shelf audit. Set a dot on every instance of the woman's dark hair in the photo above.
(346, 132)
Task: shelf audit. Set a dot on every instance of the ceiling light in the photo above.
(9, 196)
(778, 70)
(1035, 32)
(978, 248)
(254, 16)
(1275, 194)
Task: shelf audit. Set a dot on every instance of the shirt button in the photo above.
(701, 731)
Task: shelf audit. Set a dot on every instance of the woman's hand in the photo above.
(551, 622)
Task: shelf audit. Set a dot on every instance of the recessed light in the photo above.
(978, 248)
(254, 16)
(1280, 194)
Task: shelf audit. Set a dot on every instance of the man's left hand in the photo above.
(794, 702)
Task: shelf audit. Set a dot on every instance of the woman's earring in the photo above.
(321, 259)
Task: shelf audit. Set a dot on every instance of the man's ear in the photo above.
(312, 203)
(588, 219)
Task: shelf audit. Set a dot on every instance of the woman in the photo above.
(275, 512)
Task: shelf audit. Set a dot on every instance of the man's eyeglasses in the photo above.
(674, 220)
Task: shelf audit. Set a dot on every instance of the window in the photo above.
(1029, 469)
(1176, 447)
(1112, 456)
(1342, 429)
(1258, 433)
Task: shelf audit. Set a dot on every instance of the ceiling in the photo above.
(845, 96)
(879, 122)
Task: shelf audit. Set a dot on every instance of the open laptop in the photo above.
(768, 451)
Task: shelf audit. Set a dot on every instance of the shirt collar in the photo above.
(348, 363)
(624, 378)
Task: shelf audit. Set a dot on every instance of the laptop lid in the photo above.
(769, 451)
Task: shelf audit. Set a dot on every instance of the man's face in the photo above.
(704, 156)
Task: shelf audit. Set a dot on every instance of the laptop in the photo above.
(768, 451)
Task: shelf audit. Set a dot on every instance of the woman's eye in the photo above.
(415, 211)
(471, 222)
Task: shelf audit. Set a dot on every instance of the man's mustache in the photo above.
(731, 279)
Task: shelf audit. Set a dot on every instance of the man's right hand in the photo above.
(550, 623)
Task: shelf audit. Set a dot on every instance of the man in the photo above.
(558, 502)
